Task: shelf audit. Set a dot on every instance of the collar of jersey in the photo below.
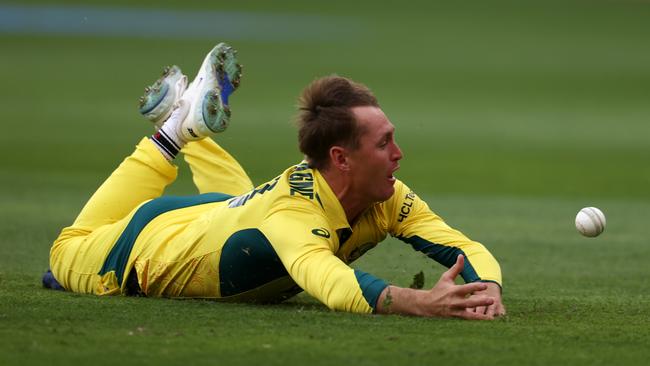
(331, 205)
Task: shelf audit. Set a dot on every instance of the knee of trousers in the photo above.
(76, 258)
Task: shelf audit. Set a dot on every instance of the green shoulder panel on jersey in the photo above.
(443, 254)
(118, 256)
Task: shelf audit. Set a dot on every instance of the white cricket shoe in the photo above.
(158, 100)
(208, 94)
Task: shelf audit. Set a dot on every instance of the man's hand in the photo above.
(445, 299)
(497, 309)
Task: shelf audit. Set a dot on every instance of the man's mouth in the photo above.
(391, 176)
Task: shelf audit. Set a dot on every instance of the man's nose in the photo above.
(397, 154)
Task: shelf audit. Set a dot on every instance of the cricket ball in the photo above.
(590, 222)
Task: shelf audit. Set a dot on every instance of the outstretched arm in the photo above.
(445, 299)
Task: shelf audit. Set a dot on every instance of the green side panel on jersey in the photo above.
(119, 255)
(248, 261)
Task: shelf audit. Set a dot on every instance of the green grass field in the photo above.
(512, 116)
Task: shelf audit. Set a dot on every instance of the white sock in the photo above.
(167, 139)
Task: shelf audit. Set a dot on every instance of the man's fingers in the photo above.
(481, 309)
(465, 314)
(469, 288)
(490, 310)
(499, 309)
(454, 270)
(475, 302)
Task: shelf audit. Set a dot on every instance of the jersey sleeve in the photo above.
(306, 246)
(409, 219)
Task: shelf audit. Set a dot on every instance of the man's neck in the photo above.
(352, 203)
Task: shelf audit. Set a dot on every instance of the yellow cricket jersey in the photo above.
(287, 235)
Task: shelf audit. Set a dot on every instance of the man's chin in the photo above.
(387, 194)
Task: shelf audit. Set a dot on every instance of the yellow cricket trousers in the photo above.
(79, 252)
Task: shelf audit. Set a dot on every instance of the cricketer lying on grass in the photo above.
(298, 231)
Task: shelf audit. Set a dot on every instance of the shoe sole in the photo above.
(228, 72)
(158, 98)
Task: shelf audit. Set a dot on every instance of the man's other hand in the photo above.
(445, 299)
(497, 309)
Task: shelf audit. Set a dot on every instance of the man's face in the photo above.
(372, 165)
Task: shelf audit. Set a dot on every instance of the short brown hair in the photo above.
(325, 118)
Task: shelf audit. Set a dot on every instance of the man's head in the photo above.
(343, 132)
(326, 118)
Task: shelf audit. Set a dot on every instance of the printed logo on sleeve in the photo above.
(321, 232)
(301, 181)
(406, 206)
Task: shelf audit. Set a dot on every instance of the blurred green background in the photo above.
(512, 115)
(505, 97)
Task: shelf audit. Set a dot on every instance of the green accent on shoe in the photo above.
(158, 100)
(216, 114)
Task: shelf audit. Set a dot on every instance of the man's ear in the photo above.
(339, 158)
